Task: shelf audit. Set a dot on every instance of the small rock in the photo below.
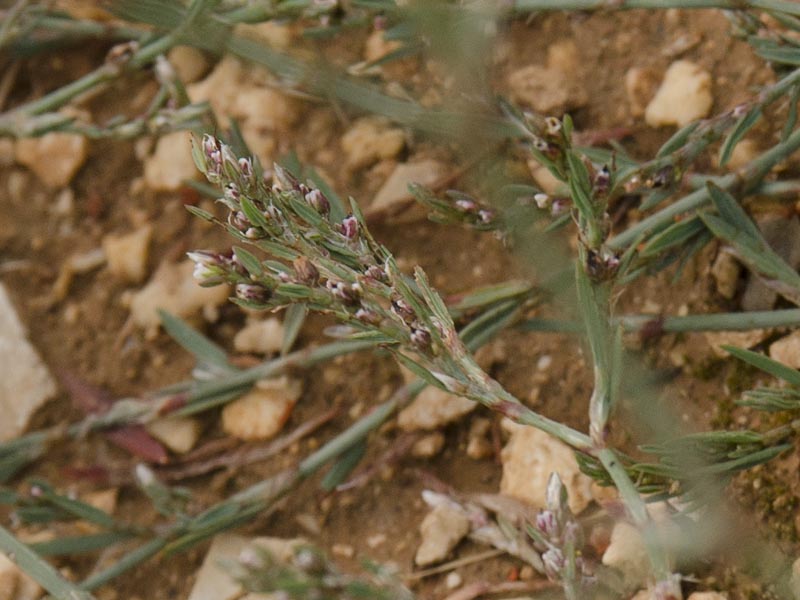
(371, 139)
(787, 350)
(64, 204)
(432, 409)
(640, 86)
(726, 270)
(564, 56)
(15, 584)
(529, 457)
(740, 339)
(214, 580)
(190, 63)
(172, 288)
(179, 434)
(377, 46)
(707, 596)
(478, 445)
(54, 158)
(547, 90)
(441, 530)
(628, 554)
(275, 34)
(25, 381)
(265, 109)
(171, 163)
(684, 96)
(127, 254)
(395, 188)
(343, 550)
(220, 87)
(453, 580)
(260, 337)
(263, 411)
(429, 445)
(105, 500)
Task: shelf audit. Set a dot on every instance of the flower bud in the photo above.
(367, 316)
(421, 338)
(542, 200)
(305, 271)
(377, 273)
(552, 125)
(252, 293)
(547, 523)
(209, 268)
(318, 201)
(349, 227)
(466, 205)
(554, 562)
(555, 494)
(246, 168)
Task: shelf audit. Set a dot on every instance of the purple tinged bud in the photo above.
(232, 193)
(377, 273)
(486, 216)
(421, 338)
(367, 316)
(559, 207)
(401, 308)
(252, 293)
(547, 523)
(209, 268)
(555, 494)
(318, 201)
(210, 145)
(342, 291)
(246, 167)
(349, 227)
(305, 271)
(553, 560)
(467, 206)
(253, 233)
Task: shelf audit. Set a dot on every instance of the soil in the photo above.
(85, 333)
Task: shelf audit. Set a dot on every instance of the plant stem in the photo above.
(39, 569)
(747, 177)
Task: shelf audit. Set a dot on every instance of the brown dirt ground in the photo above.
(92, 348)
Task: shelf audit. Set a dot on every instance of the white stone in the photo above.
(214, 580)
(15, 584)
(179, 434)
(262, 412)
(428, 445)
(377, 46)
(220, 87)
(627, 553)
(54, 158)
(684, 96)
(726, 270)
(171, 162)
(432, 409)
(127, 254)
(547, 90)
(173, 289)
(787, 350)
(707, 596)
(278, 35)
(744, 152)
(25, 381)
(371, 139)
(740, 339)
(265, 108)
(529, 457)
(453, 580)
(395, 188)
(189, 63)
(441, 530)
(260, 337)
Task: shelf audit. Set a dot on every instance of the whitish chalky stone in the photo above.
(371, 139)
(395, 188)
(171, 162)
(263, 411)
(214, 579)
(628, 554)
(25, 381)
(441, 530)
(787, 350)
(179, 434)
(174, 289)
(127, 254)
(432, 409)
(684, 96)
(529, 457)
(14, 584)
(54, 157)
(260, 337)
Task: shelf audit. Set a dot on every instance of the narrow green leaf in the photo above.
(676, 234)
(580, 186)
(255, 216)
(737, 133)
(81, 544)
(677, 140)
(347, 461)
(249, 261)
(292, 323)
(203, 349)
(418, 370)
(199, 212)
(730, 210)
(79, 509)
(766, 364)
(791, 118)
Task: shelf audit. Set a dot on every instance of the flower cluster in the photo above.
(559, 537)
